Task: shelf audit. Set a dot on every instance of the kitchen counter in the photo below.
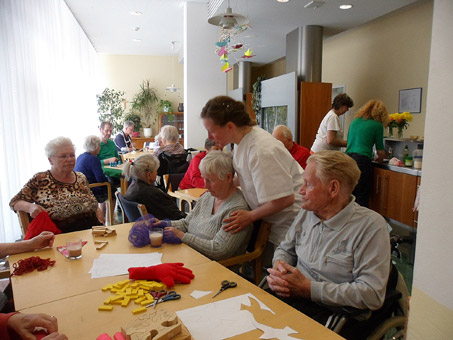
(402, 169)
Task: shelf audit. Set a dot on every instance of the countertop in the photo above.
(405, 170)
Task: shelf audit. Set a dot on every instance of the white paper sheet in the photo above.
(225, 319)
(117, 264)
(196, 294)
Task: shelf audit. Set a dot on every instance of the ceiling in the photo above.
(112, 29)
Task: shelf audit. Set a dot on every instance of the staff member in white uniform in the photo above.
(267, 173)
(326, 137)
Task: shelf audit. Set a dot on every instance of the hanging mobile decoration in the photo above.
(228, 44)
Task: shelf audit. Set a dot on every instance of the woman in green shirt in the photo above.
(366, 131)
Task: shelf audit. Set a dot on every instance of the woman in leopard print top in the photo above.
(61, 191)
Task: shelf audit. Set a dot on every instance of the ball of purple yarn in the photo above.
(139, 235)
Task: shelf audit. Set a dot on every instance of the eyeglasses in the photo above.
(70, 156)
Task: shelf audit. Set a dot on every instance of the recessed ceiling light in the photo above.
(282, 0)
(136, 40)
(345, 6)
(135, 13)
(136, 29)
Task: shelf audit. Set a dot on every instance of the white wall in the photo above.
(203, 78)
(431, 306)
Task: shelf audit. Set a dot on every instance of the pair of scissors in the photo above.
(157, 295)
(225, 285)
(170, 296)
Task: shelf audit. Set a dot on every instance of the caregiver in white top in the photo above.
(326, 137)
(267, 173)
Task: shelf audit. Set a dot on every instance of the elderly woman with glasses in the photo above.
(143, 172)
(61, 191)
(202, 228)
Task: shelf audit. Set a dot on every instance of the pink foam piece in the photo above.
(119, 336)
(104, 336)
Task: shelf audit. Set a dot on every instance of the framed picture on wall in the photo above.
(410, 100)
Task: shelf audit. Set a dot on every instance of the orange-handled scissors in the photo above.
(225, 285)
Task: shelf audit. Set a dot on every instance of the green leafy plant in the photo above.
(166, 106)
(110, 108)
(145, 102)
(256, 97)
(134, 118)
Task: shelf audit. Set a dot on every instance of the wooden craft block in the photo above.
(154, 324)
(103, 231)
(100, 245)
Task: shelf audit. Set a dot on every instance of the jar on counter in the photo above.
(408, 161)
(418, 157)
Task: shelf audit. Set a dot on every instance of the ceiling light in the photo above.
(172, 88)
(228, 19)
(135, 13)
(314, 4)
(345, 6)
(136, 40)
(136, 29)
(282, 0)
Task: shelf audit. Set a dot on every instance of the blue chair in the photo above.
(132, 211)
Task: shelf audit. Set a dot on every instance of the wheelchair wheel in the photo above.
(390, 329)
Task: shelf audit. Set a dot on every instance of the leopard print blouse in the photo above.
(61, 200)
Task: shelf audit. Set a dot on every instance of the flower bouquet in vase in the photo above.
(399, 121)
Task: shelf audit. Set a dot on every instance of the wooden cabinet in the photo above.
(315, 101)
(393, 195)
(139, 142)
(177, 121)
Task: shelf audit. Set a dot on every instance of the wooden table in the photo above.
(70, 277)
(187, 195)
(79, 318)
(134, 154)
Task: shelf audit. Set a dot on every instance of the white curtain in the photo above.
(48, 86)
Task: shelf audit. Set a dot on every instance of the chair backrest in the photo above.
(172, 163)
(258, 241)
(173, 181)
(109, 199)
(24, 221)
(130, 209)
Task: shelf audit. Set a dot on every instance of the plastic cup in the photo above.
(74, 247)
(156, 236)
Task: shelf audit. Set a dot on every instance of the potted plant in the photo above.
(166, 106)
(110, 108)
(145, 102)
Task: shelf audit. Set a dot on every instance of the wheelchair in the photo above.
(388, 322)
(172, 164)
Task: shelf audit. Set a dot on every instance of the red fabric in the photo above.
(192, 178)
(300, 154)
(41, 223)
(166, 273)
(4, 334)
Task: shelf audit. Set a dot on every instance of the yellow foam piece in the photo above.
(126, 301)
(139, 310)
(140, 299)
(105, 308)
(146, 302)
